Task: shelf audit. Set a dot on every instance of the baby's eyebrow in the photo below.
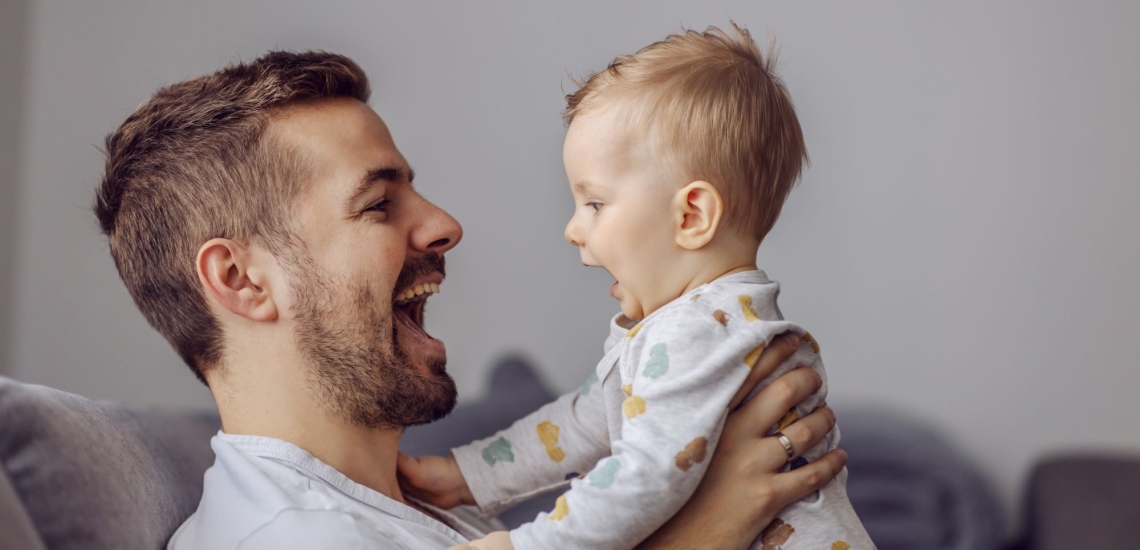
(583, 186)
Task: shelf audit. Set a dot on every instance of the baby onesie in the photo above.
(635, 441)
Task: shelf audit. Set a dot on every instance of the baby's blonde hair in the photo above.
(714, 105)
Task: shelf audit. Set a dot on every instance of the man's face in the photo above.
(368, 240)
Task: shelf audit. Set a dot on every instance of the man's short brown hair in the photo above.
(711, 104)
(194, 163)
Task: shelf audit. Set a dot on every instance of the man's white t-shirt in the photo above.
(267, 493)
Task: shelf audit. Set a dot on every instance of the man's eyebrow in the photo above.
(372, 177)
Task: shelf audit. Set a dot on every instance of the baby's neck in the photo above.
(713, 272)
(727, 255)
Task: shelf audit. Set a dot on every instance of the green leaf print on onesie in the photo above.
(603, 477)
(658, 363)
(498, 451)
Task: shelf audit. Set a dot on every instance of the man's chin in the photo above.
(439, 399)
(429, 363)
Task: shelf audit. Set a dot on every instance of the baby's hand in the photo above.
(499, 540)
(433, 479)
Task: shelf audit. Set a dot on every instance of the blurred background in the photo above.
(965, 244)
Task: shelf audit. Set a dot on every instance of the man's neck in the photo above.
(265, 403)
(365, 455)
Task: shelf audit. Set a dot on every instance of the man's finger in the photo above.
(805, 432)
(405, 462)
(774, 401)
(781, 348)
(801, 482)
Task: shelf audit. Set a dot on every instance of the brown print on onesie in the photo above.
(693, 453)
(775, 534)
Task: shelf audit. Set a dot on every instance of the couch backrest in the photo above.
(98, 475)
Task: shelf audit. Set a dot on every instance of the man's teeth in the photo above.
(423, 290)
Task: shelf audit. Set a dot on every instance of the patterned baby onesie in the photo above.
(644, 425)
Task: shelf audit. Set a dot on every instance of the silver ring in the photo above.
(787, 443)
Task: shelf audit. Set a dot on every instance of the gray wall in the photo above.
(14, 22)
(964, 244)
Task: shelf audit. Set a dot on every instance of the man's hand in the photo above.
(744, 487)
(433, 479)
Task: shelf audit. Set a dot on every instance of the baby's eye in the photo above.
(596, 206)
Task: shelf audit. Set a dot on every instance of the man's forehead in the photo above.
(341, 140)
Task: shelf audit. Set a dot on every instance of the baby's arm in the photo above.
(687, 367)
(538, 453)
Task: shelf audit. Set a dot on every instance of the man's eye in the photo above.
(381, 206)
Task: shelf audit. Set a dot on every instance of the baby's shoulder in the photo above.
(746, 303)
(709, 315)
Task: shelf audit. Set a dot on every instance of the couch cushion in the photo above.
(99, 475)
(14, 521)
(1083, 502)
(912, 489)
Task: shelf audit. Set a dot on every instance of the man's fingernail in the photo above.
(792, 340)
(842, 455)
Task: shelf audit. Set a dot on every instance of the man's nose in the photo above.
(438, 232)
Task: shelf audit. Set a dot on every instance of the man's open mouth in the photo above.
(409, 306)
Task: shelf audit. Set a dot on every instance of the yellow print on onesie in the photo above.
(548, 435)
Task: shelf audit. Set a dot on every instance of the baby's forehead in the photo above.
(620, 128)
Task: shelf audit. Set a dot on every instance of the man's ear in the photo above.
(236, 277)
(697, 208)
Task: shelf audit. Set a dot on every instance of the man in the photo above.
(265, 223)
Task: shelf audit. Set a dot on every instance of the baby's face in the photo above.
(622, 216)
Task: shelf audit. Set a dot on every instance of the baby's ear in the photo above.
(697, 209)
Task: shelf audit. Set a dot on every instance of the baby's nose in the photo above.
(571, 234)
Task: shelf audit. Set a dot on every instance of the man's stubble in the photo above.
(354, 362)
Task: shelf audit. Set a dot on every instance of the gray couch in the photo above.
(82, 474)
(76, 473)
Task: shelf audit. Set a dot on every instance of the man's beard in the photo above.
(354, 361)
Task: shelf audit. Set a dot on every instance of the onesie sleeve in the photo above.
(685, 364)
(538, 453)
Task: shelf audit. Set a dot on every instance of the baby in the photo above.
(679, 158)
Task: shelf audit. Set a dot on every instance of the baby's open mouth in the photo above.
(409, 306)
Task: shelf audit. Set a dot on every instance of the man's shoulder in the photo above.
(264, 493)
(315, 529)
(242, 495)
(289, 528)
